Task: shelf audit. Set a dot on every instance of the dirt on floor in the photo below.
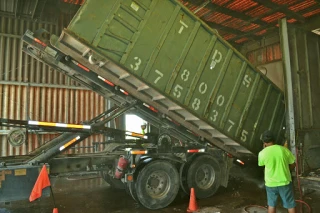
(83, 194)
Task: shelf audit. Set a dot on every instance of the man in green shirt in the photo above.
(278, 162)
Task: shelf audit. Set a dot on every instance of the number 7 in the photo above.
(160, 76)
(230, 127)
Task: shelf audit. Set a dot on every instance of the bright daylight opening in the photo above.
(133, 124)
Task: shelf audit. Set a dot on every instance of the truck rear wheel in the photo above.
(132, 191)
(157, 184)
(183, 177)
(204, 176)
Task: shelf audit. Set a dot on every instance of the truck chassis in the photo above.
(151, 168)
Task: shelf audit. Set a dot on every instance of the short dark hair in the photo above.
(267, 137)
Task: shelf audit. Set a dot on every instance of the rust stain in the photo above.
(7, 172)
(235, 106)
(2, 177)
(20, 172)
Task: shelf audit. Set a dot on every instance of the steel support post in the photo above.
(284, 41)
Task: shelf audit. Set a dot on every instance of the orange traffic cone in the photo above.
(192, 203)
(55, 210)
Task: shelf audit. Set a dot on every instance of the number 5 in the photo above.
(244, 135)
(177, 91)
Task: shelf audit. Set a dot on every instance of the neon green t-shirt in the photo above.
(276, 160)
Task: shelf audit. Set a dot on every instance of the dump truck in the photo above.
(158, 59)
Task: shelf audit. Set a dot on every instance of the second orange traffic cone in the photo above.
(55, 210)
(192, 203)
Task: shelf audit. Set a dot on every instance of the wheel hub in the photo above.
(205, 176)
(158, 184)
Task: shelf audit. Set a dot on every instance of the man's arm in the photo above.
(291, 159)
(260, 159)
(292, 166)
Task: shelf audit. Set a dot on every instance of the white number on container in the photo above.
(220, 100)
(137, 64)
(215, 114)
(196, 104)
(135, 6)
(185, 75)
(231, 125)
(216, 58)
(244, 135)
(203, 88)
(177, 91)
(160, 76)
(246, 81)
(184, 25)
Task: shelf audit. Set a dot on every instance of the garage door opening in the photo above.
(133, 124)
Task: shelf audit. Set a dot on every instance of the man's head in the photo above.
(143, 126)
(267, 137)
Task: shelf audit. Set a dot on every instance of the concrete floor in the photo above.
(91, 194)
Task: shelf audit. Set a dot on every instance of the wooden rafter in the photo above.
(228, 29)
(247, 20)
(235, 14)
(313, 23)
(251, 34)
(284, 9)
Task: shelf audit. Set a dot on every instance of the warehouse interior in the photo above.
(257, 29)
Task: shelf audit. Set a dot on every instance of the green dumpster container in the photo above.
(163, 44)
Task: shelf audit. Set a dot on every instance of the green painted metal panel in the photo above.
(163, 44)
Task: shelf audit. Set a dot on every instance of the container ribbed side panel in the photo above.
(47, 104)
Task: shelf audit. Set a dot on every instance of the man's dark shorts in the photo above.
(286, 194)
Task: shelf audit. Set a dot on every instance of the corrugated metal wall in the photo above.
(305, 65)
(16, 65)
(31, 90)
(264, 55)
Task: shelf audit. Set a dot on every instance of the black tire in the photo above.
(16, 137)
(132, 191)
(204, 176)
(127, 189)
(114, 183)
(157, 184)
(183, 177)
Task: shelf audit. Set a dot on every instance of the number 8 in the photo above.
(196, 104)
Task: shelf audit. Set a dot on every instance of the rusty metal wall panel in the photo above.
(47, 104)
(266, 54)
(18, 66)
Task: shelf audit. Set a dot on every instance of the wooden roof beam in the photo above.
(235, 14)
(312, 23)
(229, 30)
(283, 9)
(251, 34)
